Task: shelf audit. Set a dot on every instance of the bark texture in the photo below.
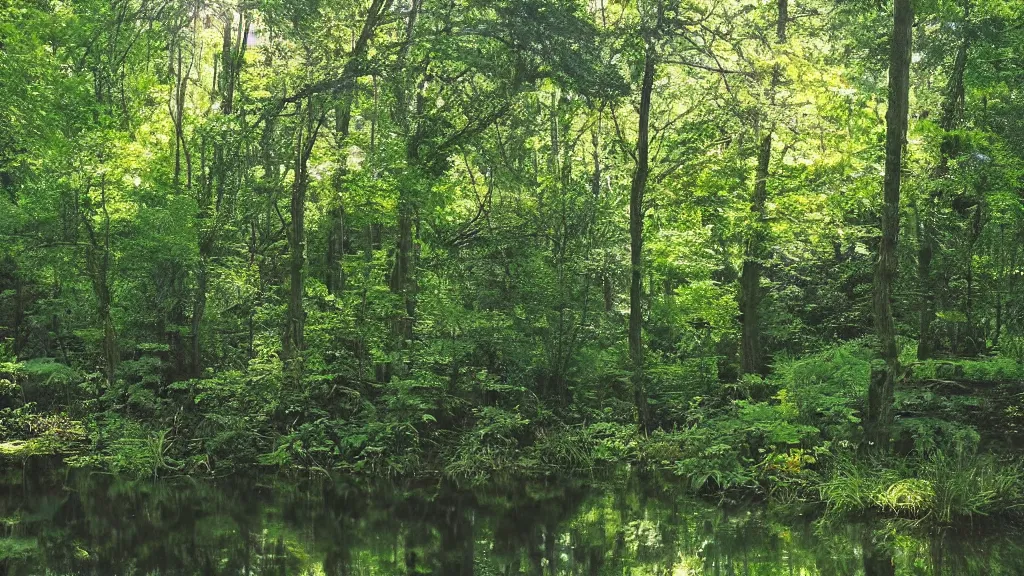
(951, 116)
(636, 241)
(881, 388)
(752, 360)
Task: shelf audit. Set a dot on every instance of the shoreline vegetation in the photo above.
(789, 440)
(769, 250)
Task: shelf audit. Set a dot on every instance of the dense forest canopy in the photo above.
(721, 237)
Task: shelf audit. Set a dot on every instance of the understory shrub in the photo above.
(828, 388)
(745, 444)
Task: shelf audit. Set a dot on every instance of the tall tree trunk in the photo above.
(1001, 284)
(336, 216)
(97, 259)
(231, 60)
(295, 328)
(881, 389)
(402, 282)
(336, 248)
(751, 356)
(178, 115)
(951, 115)
(19, 305)
(755, 249)
(176, 317)
(636, 241)
(975, 338)
(343, 114)
(198, 311)
(294, 340)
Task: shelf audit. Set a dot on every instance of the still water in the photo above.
(56, 521)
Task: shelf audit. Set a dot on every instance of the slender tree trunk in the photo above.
(952, 112)
(755, 251)
(881, 388)
(336, 249)
(178, 111)
(608, 290)
(206, 239)
(364, 313)
(751, 356)
(176, 317)
(231, 59)
(636, 240)
(198, 310)
(999, 319)
(206, 243)
(294, 340)
(402, 282)
(1000, 287)
(336, 227)
(343, 115)
(975, 341)
(181, 149)
(97, 256)
(926, 315)
(110, 346)
(19, 306)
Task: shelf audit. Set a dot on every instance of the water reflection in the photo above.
(56, 522)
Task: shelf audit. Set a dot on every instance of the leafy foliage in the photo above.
(504, 238)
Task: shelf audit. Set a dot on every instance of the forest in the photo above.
(769, 248)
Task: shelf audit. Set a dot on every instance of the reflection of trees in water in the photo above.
(878, 558)
(992, 550)
(96, 524)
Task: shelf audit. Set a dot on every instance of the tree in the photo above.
(501, 234)
(950, 117)
(637, 191)
(879, 417)
(751, 353)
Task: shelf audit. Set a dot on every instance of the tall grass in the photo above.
(942, 488)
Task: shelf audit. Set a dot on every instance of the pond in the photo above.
(59, 521)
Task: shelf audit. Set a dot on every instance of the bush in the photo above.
(125, 446)
(999, 369)
(747, 444)
(828, 388)
(25, 430)
(491, 446)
